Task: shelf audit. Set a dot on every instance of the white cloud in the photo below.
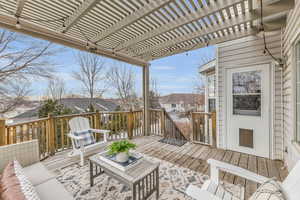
(163, 67)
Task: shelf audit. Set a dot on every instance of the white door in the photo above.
(248, 110)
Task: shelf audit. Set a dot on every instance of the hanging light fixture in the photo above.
(88, 46)
(18, 25)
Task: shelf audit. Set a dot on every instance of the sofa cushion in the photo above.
(45, 191)
(269, 190)
(15, 185)
(37, 173)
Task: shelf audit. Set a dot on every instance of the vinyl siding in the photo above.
(246, 52)
(291, 32)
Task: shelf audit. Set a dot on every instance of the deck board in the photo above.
(194, 157)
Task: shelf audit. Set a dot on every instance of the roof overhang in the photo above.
(208, 67)
(138, 31)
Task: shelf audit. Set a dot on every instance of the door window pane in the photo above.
(246, 90)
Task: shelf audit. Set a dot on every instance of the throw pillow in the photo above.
(15, 185)
(269, 190)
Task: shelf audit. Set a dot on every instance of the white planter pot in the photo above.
(122, 157)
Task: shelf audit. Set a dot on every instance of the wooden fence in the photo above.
(52, 131)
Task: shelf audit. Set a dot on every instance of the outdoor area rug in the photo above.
(173, 181)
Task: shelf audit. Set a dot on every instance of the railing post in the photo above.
(51, 134)
(97, 123)
(130, 124)
(214, 129)
(2, 132)
(162, 122)
(193, 127)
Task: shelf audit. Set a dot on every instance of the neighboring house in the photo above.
(208, 71)
(182, 102)
(77, 105)
(257, 98)
(25, 106)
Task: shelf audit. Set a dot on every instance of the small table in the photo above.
(143, 178)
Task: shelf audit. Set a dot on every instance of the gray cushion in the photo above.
(52, 190)
(37, 173)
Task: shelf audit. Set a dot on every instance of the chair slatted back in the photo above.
(78, 124)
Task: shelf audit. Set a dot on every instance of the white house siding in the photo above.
(292, 31)
(246, 52)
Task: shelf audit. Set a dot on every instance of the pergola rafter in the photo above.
(133, 17)
(138, 31)
(19, 7)
(191, 17)
(77, 14)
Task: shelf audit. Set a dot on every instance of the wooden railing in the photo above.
(203, 128)
(52, 131)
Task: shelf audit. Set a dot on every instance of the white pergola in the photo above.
(138, 31)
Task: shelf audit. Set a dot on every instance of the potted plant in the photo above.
(121, 150)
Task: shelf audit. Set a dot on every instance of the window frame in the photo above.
(296, 48)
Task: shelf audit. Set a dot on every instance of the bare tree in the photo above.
(91, 75)
(122, 80)
(56, 89)
(154, 94)
(12, 94)
(21, 58)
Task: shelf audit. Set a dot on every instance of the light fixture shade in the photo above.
(18, 25)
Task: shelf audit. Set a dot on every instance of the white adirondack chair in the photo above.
(290, 186)
(81, 124)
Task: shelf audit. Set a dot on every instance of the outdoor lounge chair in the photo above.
(289, 187)
(82, 137)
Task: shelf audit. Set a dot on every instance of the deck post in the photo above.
(214, 129)
(146, 127)
(130, 124)
(2, 132)
(163, 122)
(97, 123)
(51, 134)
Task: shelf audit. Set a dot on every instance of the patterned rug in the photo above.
(173, 180)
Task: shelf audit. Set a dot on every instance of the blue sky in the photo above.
(174, 74)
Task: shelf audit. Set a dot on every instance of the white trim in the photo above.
(217, 99)
(294, 86)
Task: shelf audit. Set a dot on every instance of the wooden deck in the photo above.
(194, 156)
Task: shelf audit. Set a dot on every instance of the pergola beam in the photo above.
(230, 23)
(19, 7)
(193, 16)
(134, 16)
(230, 37)
(77, 14)
(32, 29)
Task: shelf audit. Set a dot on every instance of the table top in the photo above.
(137, 172)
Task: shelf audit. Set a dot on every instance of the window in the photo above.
(211, 105)
(298, 91)
(211, 92)
(246, 91)
(173, 105)
(211, 85)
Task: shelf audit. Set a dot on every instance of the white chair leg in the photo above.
(81, 159)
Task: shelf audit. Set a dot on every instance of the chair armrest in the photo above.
(199, 194)
(218, 165)
(104, 132)
(100, 131)
(75, 137)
